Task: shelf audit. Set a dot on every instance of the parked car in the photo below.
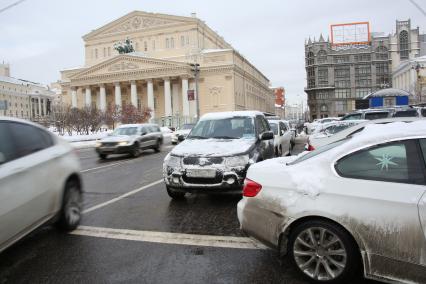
(406, 112)
(316, 141)
(183, 131)
(39, 181)
(217, 153)
(282, 137)
(369, 114)
(356, 203)
(310, 127)
(130, 139)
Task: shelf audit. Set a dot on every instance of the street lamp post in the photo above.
(195, 67)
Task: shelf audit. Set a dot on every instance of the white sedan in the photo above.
(356, 203)
(39, 181)
(282, 137)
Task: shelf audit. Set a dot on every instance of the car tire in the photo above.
(176, 195)
(135, 151)
(70, 214)
(157, 147)
(324, 252)
(102, 156)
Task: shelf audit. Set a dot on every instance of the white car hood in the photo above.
(213, 147)
(118, 138)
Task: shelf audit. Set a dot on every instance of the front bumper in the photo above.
(114, 149)
(224, 181)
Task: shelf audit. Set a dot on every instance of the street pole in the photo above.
(195, 68)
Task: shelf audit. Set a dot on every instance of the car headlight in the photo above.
(173, 162)
(123, 143)
(98, 144)
(237, 161)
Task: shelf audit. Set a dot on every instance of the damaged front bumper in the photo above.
(209, 180)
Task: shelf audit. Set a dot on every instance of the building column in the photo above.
(117, 94)
(133, 94)
(167, 98)
(39, 106)
(88, 97)
(102, 99)
(73, 97)
(45, 106)
(150, 93)
(185, 102)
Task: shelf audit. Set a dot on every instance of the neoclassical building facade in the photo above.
(158, 74)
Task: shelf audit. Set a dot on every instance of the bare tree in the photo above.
(112, 116)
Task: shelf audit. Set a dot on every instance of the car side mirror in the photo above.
(181, 138)
(267, 135)
(143, 133)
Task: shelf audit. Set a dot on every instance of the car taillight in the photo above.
(251, 188)
(310, 147)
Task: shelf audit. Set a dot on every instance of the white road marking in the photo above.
(169, 238)
(121, 196)
(106, 166)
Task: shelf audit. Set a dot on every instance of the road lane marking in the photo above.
(169, 238)
(121, 196)
(106, 166)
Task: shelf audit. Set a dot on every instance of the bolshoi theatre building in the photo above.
(158, 74)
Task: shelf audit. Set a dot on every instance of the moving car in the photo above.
(316, 141)
(282, 137)
(216, 155)
(131, 139)
(183, 131)
(356, 203)
(39, 181)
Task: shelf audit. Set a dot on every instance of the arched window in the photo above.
(403, 45)
(310, 58)
(322, 56)
(382, 53)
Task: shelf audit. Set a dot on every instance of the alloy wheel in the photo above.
(320, 253)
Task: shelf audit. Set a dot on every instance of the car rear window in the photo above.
(376, 115)
(406, 113)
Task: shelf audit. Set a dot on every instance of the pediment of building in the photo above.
(127, 63)
(136, 21)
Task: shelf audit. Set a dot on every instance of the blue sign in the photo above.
(402, 100)
(376, 102)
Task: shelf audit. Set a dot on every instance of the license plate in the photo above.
(201, 173)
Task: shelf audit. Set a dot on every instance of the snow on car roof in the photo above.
(229, 114)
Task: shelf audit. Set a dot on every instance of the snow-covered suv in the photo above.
(216, 154)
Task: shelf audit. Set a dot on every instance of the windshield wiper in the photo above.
(196, 137)
(224, 137)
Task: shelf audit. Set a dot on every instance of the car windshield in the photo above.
(352, 116)
(227, 128)
(319, 150)
(187, 126)
(274, 128)
(125, 131)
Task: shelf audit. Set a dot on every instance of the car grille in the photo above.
(215, 180)
(109, 144)
(202, 161)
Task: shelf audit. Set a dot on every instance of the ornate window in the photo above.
(322, 76)
(167, 43)
(182, 40)
(322, 56)
(145, 46)
(172, 43)
(403, 45)
(310, 58)
(382, 53)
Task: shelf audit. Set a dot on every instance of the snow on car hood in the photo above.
(182, 132)
(213, 147)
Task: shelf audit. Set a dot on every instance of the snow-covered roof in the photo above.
(389, 92)
(229, 114)
(16, 81)
(215, 50)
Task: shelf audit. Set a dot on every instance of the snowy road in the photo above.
(132, 232)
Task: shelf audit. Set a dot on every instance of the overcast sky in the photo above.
(41, 37)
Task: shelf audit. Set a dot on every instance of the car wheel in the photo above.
(135, 151)
(175, 194)
(289, 150)
(157, 147)
(70, 214)
(323, 252)
(102, 156)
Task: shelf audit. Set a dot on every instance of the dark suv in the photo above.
(131, 139)
(216, 154)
